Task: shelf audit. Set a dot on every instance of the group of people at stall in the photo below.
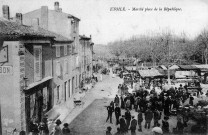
(151, 106)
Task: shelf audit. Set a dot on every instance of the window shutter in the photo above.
(58, 68)
(65, 66)
(65, 50)
(38, 63)
(58, 51)
(77, 61)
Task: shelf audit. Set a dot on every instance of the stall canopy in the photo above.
(130, 67)
(174, 67)
(202, 67)
(188, 67)
(163, 67)
(150, 73)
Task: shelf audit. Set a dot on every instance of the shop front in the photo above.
(38, 102)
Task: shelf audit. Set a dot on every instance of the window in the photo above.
(38, 63)
(57, 51)
(65, 50)
(69, 49)
(58, 68)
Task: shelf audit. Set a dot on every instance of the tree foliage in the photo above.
(164, 48)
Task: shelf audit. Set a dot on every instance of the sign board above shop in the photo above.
(6, 70)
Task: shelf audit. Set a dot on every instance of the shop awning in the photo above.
(130, 67)
(174, 67)
(38, 83)
(188, 67)
(150, 73)
(202, 67)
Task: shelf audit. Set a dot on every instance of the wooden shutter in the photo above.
(65, 66)
(58, 49)
(38, 63)
(65, 49)
(58, 68)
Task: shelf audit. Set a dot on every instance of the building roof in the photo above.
(9, 28)
(58, 37)
(174, 67)
(202, 67)
(84, 37)
(188, 67)
(163, 67)
(150, 73)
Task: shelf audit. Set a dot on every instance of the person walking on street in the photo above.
(148, 118)
(117, 113)
(180, 127)
(165, 125)
(122, 124)
(66, 130)
(140, 119)
(116, 100)
(110, 112)
(57, 129)
(43, 128)
(156, 117)
(108, 131)
(133, 126)
(128, 118)
(122, 102)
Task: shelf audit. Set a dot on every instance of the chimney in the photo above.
(19, 18)
(56, 6)
(35, 24)
(44, 17)
(6, 14)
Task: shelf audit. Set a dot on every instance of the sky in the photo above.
(106, 26)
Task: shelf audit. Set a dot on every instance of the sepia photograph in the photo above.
(103, 67)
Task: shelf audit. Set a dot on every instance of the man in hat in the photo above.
(140, 119)
(66, 130)
(117, 113)
(148, 118)
(166, 106)
(156, 117)
(108, 131)
(133, 126)
(165, 125)
(123, 125)
(116, 100)
(110, 111)
(128, 118)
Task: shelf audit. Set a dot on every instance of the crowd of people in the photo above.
(150, 106)
(42, 128)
